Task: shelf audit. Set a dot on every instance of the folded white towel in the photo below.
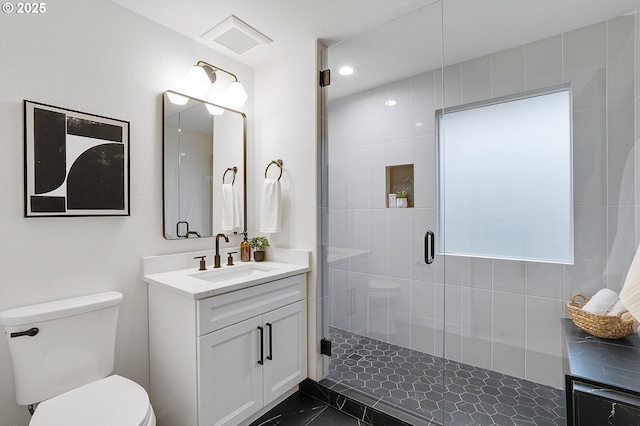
(270, 214)
(230, 208)
(616, 308)
(630, 293)
(601, 302)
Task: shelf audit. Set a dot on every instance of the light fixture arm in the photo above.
(200, 63)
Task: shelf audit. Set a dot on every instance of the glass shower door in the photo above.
(382, 306)
(470, 338)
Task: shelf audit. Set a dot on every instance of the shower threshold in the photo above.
(419, 388)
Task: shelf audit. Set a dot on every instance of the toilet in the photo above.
(63, 355)
(383, 293)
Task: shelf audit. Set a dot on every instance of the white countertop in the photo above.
(192, 283)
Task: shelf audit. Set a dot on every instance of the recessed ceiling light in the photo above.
(347, 70)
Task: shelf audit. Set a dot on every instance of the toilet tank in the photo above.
(74, 344)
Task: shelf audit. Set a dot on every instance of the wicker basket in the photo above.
(604, 326)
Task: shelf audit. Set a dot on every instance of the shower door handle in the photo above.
(429, 247)
(352, 301)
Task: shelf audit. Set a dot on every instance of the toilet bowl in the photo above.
(113, 400)
(63, 357)
(383, 291)
(382, 294)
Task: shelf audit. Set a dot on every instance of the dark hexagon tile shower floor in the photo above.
(415, 381)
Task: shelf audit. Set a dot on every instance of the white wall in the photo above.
(96, 57)
(285, 128)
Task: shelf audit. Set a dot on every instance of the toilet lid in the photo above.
(113, 400)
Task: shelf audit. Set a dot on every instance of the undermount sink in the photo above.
(179, 273)
(227, 273)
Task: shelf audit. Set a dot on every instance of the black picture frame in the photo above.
(75, 163)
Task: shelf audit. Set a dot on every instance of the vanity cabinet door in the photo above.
(598, 405)
(285, 345)
(230, 377)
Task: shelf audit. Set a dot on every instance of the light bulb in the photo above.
(198, 79)
(176, 99)
(236, 95)
(214, 110)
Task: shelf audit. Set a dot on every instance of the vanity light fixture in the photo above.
(390, 103)
(235, 94)
(202, 75)
(199, 78)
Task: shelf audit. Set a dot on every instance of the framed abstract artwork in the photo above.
(75, 164)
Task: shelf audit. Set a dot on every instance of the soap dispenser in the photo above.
(245, 250)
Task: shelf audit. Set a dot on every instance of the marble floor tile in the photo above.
(302, 410)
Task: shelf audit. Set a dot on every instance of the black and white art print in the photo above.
(75, 164)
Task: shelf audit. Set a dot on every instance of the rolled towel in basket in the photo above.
(601, 302)
(616, 308)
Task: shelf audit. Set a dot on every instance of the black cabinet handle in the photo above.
(261, 360)
(429, 247)
(270, 356)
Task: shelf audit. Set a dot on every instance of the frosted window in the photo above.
(505, 178)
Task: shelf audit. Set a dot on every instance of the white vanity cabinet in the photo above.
(258, 360)
(221, 359)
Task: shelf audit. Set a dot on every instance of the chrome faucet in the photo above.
(216, 258)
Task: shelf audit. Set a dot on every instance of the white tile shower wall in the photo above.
(497, 314)
(637, 130)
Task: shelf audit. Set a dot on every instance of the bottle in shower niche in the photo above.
(245, 250)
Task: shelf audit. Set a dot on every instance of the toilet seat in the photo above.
(383, 286)
(113, 400)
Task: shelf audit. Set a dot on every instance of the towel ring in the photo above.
(233, 169)
(277, 163)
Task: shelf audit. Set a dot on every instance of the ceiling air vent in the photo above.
(236, 35)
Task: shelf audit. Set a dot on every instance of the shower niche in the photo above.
(399, 182)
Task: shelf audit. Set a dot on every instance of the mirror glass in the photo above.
(204, 168)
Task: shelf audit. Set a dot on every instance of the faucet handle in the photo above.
(203, 264)
(230, 258)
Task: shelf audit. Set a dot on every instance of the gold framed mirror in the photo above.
(203, 168)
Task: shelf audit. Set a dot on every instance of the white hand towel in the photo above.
(630, 294)
(230, 208)
(616, 308)
(270, 214)
(601, 302)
